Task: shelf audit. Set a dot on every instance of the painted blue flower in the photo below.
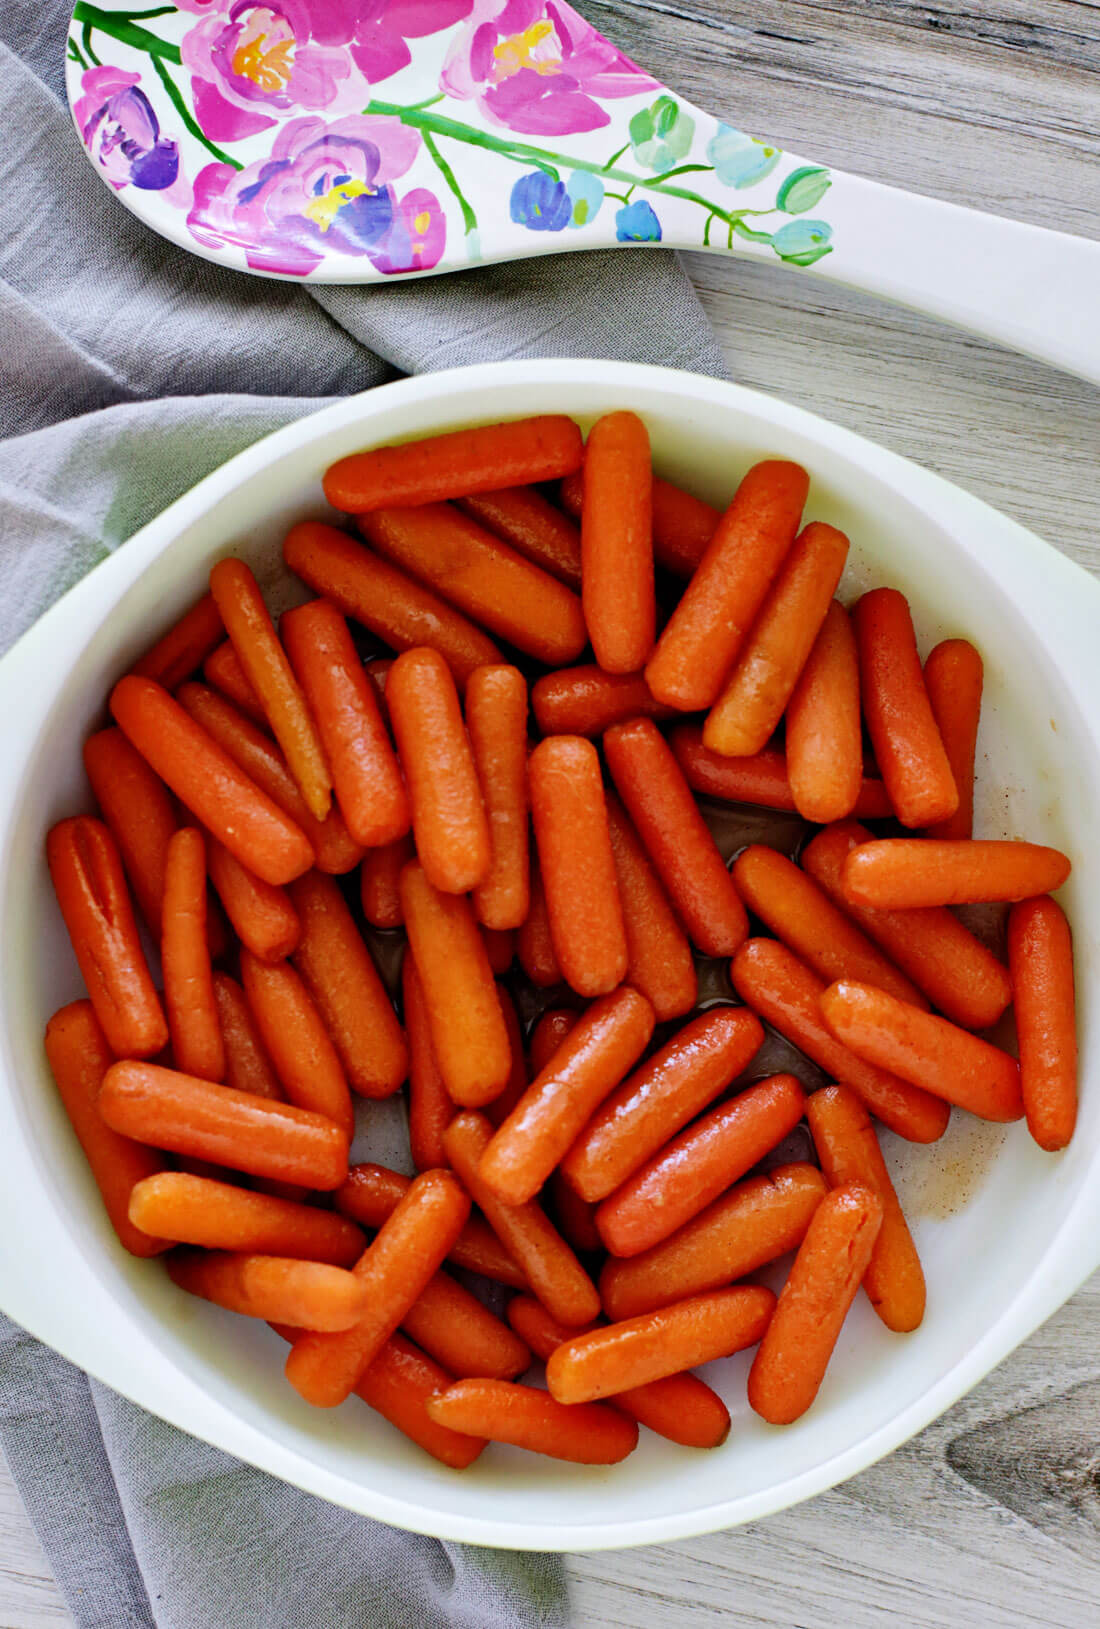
(541, 203)
(586, 194)
(637, 223)
(803, 241)
(740, 160)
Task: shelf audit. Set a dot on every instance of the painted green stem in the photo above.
(121, 28)
(468, 217)
(188, 118)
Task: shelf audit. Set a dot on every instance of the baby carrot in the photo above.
(521, 516)
(704, 635)
(534, 944)
(787, 994)
(380, 882)
(573, 1216)
(660, 1097)
(552, 1270)
(462, 1334)
(824, 743)
(517, 453)
(448, 814)
(202, 1121)
(339, 974)
(393, 1270)
(953, 677)
(617, 543)
(675, 836)
(185, 646)
(849, 1152)
(920, 1047)
(903, 873)
(87, 876)
(372, 1192)
(518, 1079)
(587, 701)
(467, 1026)
(802, 915)
(569, 813)
(907, 743)
(365, 775)
(219, 1216)
(953, 968)
(138, 811)
(305, 1059)
(488, 581)
(263, 918)
(431, 1107)
(307, 1294)
(659, 959)
(496, 718)
(683, 525)
(547, 1035)
(608, 1039)
(79, 1057)
(791, 1360)
(197, 1045)
(761, 779)
(223, 672)
(1040, 954)
(247, 1065)
(399, 1385)
(695, 1167)
(750, 1225)
(655, 1344)
(778, 645)
(590, 1434)
(205, 778)
(500, 946)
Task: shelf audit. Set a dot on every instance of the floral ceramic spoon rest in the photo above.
(346, 141)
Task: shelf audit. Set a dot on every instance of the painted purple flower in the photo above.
(324, 189)
(120, 130)
(537, 67)
(417, 237)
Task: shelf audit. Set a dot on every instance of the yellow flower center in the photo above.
(422, 222)
(324, 209)
(536, 48)
(269, 66)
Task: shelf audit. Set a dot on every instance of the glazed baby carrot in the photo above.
(907, 743)
(297, 1041)
(521, 516)
(473, 570)
(79, 1057)
(704, 635)
(778, 645)
(185, 646)
(205, 778)
(698, 1165)
(138, 810)
(659, 959)
(193, 1024)
(787, 994)
(674, 833)
(573, 1216)
(518, 1079)
(953, 676)
(1040, 954)
(824, 743)
(247, 1065)
(496, 718)
(393, 1270)
(87, 876)
(606, 1041)
(617, 543)
(569, 813)
(905, 873)
(656, 1344)
(372, 1192)
(219, 1216)
(587, 701)
(467, 1026)
(339, 974)
(307, 1294)
(953, 968)
(262, 916)
(920, 1047)
(762, 779)
(660, 1097)
(462, 1334)
(797, 911)
(380, 882)
(791, 1360)
(590, 1434)
(517, 453)
(534, 945)
(500, 947)
(552, 1270)
(431, 1107)
(222, 670)
(202, 1121)
(448, 814)
(849, 1152)
(683, 525)
(365, 775)
(752, 1224)
(547, 1035)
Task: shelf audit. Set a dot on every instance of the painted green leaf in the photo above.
(803, 189)
(661, 134)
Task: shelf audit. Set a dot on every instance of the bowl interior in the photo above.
(985, 1204)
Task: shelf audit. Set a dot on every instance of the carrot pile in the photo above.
(512, 784)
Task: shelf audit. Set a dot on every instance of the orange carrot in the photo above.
(137, 808)
(222, 670)
(247, 1065)
(824, 745)
(500, 945)
(517, 453)
(294, 1034)
(534, 944)
(1040, 954)
(659, 959)
(660, 1097)
(378, 671)
(87, 876)
(675, 836)
(573, 1216)
(683, 525)
(262, 916)
(587, 701)
(373, 1192)
(201, 1211)
(197, 1045)
(928, 1051)
(905, 873)
(431, 1107)
(496, 717)
(787, 994)
(307, 1294)
(185, 646)
(953, 677)
(461, 1334)
(617, 543)
(590, 1434)
(750, 1225)
(762, 779)
(380, 883)
(518, 1080)
(547, 1035)
(79, 1057)
(521, 516)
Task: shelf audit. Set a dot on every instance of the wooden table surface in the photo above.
(991, 1518)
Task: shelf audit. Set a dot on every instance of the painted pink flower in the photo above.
(416, 238)
(120, 130)
(537, 67)
(377, 31)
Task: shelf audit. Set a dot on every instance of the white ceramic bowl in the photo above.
(1006, 1232)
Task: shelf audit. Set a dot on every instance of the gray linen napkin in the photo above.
(128, 370)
